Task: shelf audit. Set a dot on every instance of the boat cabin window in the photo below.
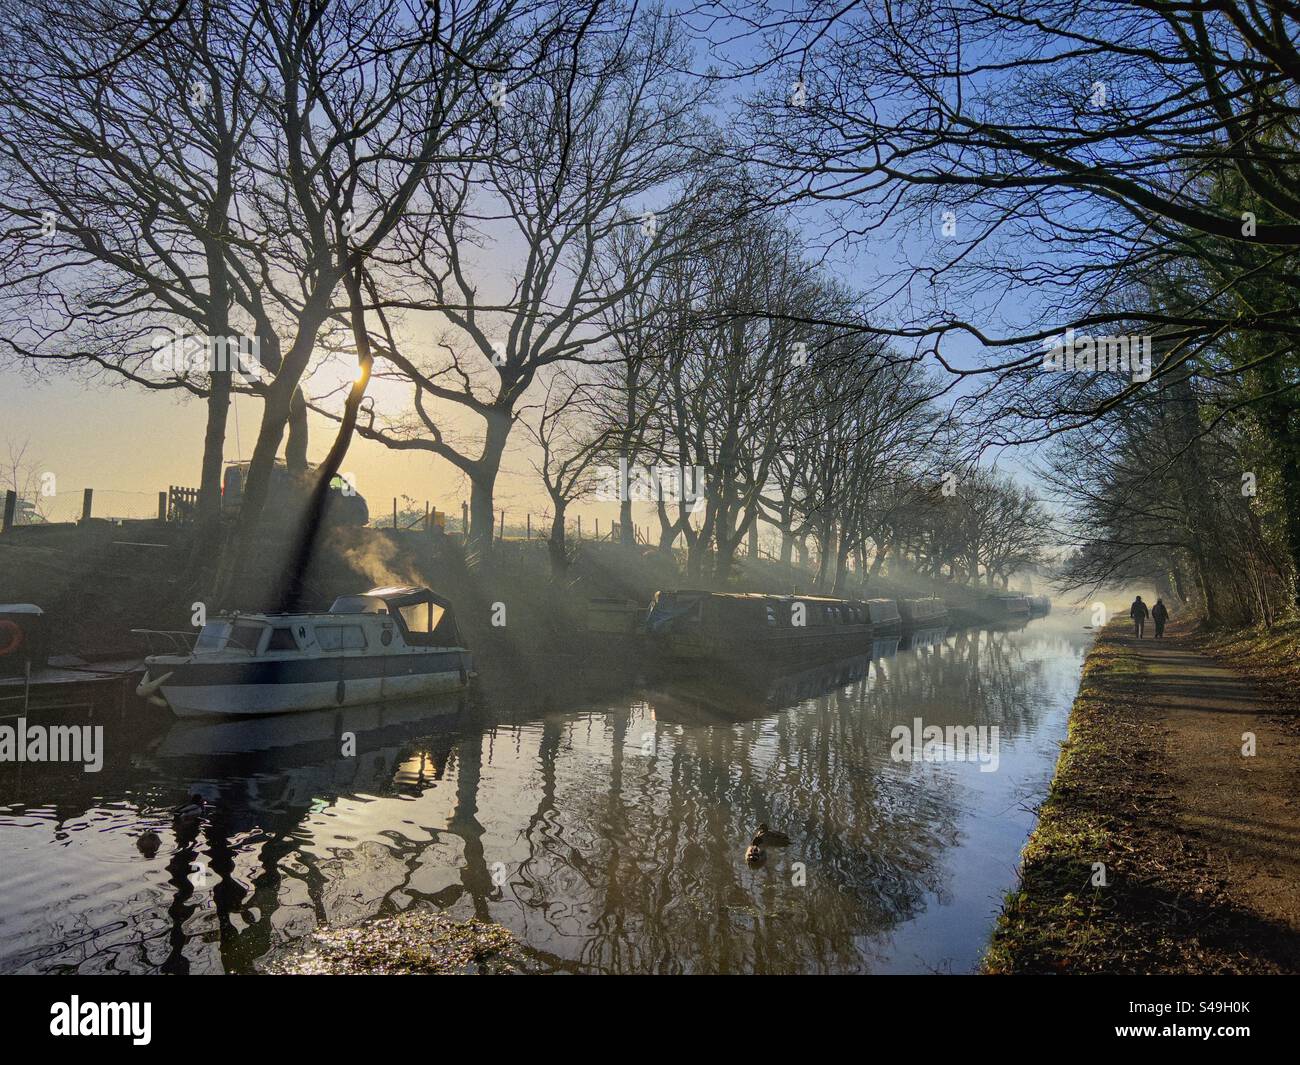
(771, 615)
(421, 617)
(421, 620)
(340, 637)
(281, 640)
(245, 638)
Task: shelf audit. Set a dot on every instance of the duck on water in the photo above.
(387, 643)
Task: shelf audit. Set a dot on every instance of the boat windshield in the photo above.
(212, 638)
(225, 635)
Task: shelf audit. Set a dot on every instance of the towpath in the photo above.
(1244, 809)
(1170, 840)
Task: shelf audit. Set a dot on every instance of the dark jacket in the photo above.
(1160, 612)
(1138, 610)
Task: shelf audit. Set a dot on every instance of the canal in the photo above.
(599, 812)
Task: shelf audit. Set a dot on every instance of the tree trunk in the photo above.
(842, 564)
(239, 551)
(238, 548)
(825, 552)
(482, 480)
(295, 446)
(626, 533)
(1277, 423)
(556, 547)
(314, 516)
(207, 516)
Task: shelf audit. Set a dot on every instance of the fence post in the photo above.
(427, 526)
(598, 530)
(579, 526)
(86, 497)
(502, 534)
(11, 507)
(394, 512)
(530, 525)
(162, 506)
(464, 517)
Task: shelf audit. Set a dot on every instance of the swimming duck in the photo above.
(766, 837)
(754, 856)
(148, 843)
(189, 812)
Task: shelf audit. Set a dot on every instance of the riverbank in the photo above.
(1162, 847)
(414, 943)
(98, 580)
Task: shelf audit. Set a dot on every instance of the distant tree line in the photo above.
(1119, 169)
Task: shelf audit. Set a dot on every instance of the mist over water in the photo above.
(600, 813)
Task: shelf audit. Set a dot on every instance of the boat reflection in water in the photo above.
(603, 819)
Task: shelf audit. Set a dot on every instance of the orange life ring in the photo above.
(11, 637)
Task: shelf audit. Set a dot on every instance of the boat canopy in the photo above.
(425, 617)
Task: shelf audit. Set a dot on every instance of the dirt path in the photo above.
(1161, 847)
(1243, 809)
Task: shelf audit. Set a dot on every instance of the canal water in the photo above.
(600, 813)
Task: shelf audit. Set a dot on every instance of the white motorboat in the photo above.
(387, 643)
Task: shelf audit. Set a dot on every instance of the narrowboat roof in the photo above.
(758, 596)
(763, 596)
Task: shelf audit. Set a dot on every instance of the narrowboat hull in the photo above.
(762, 647)
(757, 628)
(245, 689)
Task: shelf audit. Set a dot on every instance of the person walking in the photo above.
(1160, 614)
(1138, 612)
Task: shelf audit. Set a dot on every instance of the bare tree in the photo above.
(569, 447)
(251, 155)
(597, 141)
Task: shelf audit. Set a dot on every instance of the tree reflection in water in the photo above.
(600, 815)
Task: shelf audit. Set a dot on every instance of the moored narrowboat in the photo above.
(387, 643)
(927, 613)
(709, 625)
(1004, 607)
(1040, 604)
(885, 617)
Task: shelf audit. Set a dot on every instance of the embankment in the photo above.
(99, 580)
(1170, 838)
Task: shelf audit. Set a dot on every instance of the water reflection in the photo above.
(601, 814)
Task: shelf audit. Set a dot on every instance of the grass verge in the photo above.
(1269, 656)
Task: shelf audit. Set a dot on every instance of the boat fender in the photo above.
(146, 688)
(11, 637)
